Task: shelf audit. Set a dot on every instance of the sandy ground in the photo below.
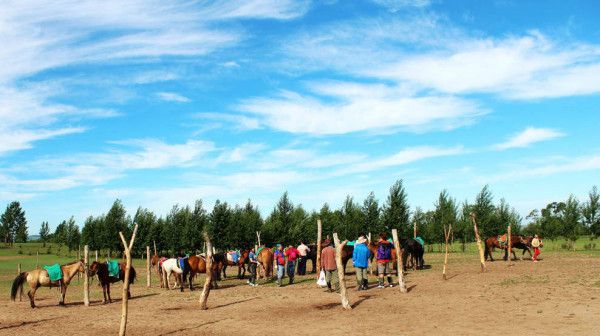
(557, 296)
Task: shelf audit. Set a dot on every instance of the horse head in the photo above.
(81, 266)
(93, 269)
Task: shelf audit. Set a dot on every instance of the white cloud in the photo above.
(396, 5)
(339, 108)
(239, 122)
(173, 97)
(529, 136)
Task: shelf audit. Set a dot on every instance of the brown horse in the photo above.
(39, 278)
(517, 241)
(241, 263)
(196, 265)
(101, 270)
(312, 255)
(265, 260)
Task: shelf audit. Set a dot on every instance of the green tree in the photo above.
(60, 233)
(279, 222)
(590, 211)
(115, 221)
(485, 212)
(73, 236)
(534, 224)
(88, 233)
(220, 222)
(396, 211)
(14, 224)
(571, 220)
(44, 233)
(144, 219)
(464, 227)
(350, 220)
(371, 215)
(198, 222)
(505, 214)
(551, 220)
(446, 213)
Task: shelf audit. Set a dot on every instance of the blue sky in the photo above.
(161, 103)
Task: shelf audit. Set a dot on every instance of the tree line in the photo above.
(235, 226)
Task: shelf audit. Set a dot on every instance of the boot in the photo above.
(390, 281)
(328, 287)
(380, 283)
(365, 284)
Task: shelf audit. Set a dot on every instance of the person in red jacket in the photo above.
(292, 254)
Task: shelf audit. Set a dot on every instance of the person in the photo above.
(330, 267)
(535, 243)
(384, 260)
(252, 264)
(303, 252)
(360, 258)
(280, 260)
(292, 255)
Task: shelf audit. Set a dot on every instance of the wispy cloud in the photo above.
(396, 5)
(339, 108)
(529, 136)
(173, 97)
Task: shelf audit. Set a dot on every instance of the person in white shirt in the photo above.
(303, 250)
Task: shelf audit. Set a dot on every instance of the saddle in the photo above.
(113, 268)
(54, 272)
(181, 262)
(233, 256)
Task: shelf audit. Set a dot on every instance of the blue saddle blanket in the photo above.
(420, 240)
(54, 272)
(113, 268)
(181, 262)
(235, 256)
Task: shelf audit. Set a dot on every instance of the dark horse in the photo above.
(517, 241)
(414, 249)
(101, 269)
(241, 263)
(197, 264)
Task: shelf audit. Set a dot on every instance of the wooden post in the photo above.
(148, 277)
(86, 281)
(209, 273)
(414, 229)
(481, 256)
(447, 236)
(399, 261)
(21, 288)
(319, 238)
(509, 246)
(369, 261)
(339, 247)
(37, 259)
(258, 237)
(125, 297)
(155, 253)
(96, 255)
(78, 258)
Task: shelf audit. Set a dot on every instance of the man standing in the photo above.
(303, 252)
(329, 266)
(280, 260)
(292, 254)
(360, 258)
(252, 263)
(384, 260)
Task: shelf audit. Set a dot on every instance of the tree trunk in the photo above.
(209, 273)
(319, 238)
(86, 280)
(481, 256)
(125, 296)
(399, 261)
(339, 247)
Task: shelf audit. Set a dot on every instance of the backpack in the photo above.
(384, 252)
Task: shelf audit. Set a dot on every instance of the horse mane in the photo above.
(72, 263)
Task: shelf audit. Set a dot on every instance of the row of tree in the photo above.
(235, 226)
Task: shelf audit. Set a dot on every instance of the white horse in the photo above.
(172, 266)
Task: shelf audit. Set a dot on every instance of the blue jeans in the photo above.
(280, 272)
(291, 269)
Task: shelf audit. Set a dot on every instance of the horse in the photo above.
(195, 265)
(241, 263)
(169, 266)
(517, 241)
(101, 270)
(265, 260)
(155, 261)
(40, 278)
(414, 249)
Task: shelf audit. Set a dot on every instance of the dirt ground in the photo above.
(557, 296)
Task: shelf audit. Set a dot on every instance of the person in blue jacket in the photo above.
(360, 258)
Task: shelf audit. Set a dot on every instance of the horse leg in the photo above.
(104, 300)
(63, 292)
(31, 295)
(108, 292)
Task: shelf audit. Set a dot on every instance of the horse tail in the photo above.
(132, 275)
(17, 284)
